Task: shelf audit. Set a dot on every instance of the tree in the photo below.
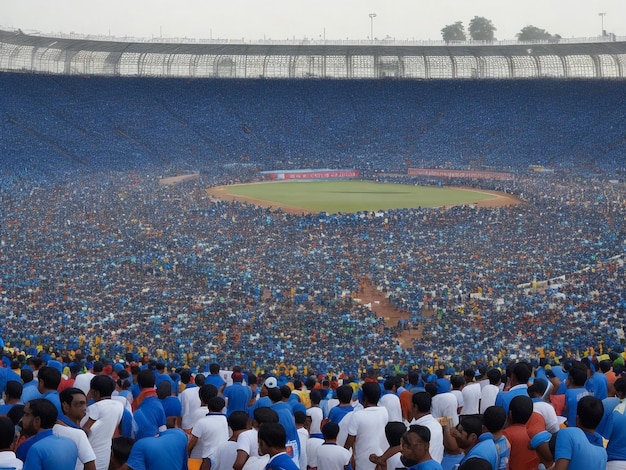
(532, 33)
(481, 29)
(453, 32)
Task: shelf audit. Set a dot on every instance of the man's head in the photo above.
(371, 393)
(239, 421)
(49, 379)
(422, 401)
(415, 445)
(120, 450)
(344, 394)
(13, 391)
(7, 433)
(214, 368)
(272, 438)
(275, 394)
(330, 431)
(146, 378)
(494, 418)
(102, 386)
(164, 389)
(264, 414)
(589, 412)
(39, 414)
(206, 392)
(468, 431)
(520, 409)
(216, 404)
(73, 403)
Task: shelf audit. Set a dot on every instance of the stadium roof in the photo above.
(572, 59)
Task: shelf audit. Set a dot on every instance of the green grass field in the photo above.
(354, 196)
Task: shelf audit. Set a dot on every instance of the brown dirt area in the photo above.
(368, 293)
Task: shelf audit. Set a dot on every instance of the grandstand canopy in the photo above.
(310, 59)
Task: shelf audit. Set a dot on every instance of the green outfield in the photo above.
(354, 196)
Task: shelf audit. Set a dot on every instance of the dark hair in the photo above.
(164, 389)
(275, 394)
(13, 389)
(472, 424)
(422, 431)
(7, 432)
(199, 380)
(102, 384)
(494, 376)
(15, 413)
(590, 411)
(330, 431)
(394, 430)
(273, 435)
(578, 376)
(185, 376)
(344, 394)
(27, 375)
(265, 414)
(316, 397)
(45, 411)
(252, 379)
(67, 395)
(97, 367)
(423, 401)
(238, 420)
(605, 365)
(414, 377)
(457, 381)
(214, 368)
(494, 418)
(521, 409)
(50, 377)
(620, 385)
(285, 391)
(431, 388)
(371, 392)
(476, 463)
(299, 416)
(216, 404)
(146, 378)
(522, 371)
(121, 447)
(206, 392)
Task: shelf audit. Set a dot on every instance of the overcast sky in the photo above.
(312, 19)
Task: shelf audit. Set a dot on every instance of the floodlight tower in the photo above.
(602, 15)
(372, 16)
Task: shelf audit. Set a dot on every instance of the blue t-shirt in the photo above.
(337, 413)
(572, 444)
(428, 465)
(149, 417)
(572, 397)
(167, 451)
(615, 432)
(172, 406)
(598, 385)
(484, 449)
(50, 452)
(281, 461)
(239, 396)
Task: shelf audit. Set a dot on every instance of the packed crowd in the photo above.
(562, 413)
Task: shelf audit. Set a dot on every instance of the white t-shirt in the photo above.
(211, 431)
(546, 410)
(471, 399)
(436, 435)
(225, 456)
(391, 401)
(9, 460)
(317, 415)
(312, 446)
(303, 435)
(444, 405)
(107, 414)
(189, 403)
(248, 441)
(83, 381)
(332, 457)
(368, 426)
(78, 436)
(488, 397)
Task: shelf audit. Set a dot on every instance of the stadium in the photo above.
(100, 257)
